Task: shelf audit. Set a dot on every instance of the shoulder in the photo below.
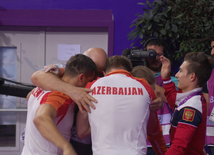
(196, 102)
(147, 87)
(56, 99)
(190, 116)
(57, 95)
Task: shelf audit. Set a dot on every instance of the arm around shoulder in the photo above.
(49, 81)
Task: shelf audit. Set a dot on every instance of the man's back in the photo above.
(35, 143)
(119, 122)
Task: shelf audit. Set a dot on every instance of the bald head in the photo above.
(99, 56)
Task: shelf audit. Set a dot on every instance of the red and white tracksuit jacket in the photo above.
(188, 123)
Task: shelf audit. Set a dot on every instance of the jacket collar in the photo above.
(181, 96)
(120, 71)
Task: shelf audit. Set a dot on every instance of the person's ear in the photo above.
(81, 78)
(193, 77)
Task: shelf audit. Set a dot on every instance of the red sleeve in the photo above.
(183, 135)
(157, 140)
(170, 92)
(56, 99)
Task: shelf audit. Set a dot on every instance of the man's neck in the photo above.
(114, 69)
(72, 81)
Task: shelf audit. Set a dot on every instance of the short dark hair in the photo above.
(157, 42)
(143, 72)
(118, 62)
(80, 64)
(200, 65)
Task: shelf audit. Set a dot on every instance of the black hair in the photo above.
(80, 64)
(199, 64)
(158, 42)
(118, 62)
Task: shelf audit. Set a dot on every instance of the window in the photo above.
(8, 70)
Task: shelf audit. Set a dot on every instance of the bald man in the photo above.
(99, 56)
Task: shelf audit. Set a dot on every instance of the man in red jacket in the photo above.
(188, 123)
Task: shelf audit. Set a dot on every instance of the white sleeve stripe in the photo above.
(166, 82)
(188, 124)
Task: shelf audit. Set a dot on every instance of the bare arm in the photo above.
(170, 89)
(49, 81)
(82, 125)
(43, 121)
(165, 72)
